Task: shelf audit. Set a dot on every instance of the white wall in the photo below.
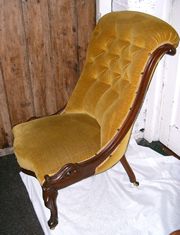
(102, 8)
(169, 132)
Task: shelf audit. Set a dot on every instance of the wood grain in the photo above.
(14, 62)
(5, 124)
(86, 24)
(64, 47)
(36, 24)
(42, 51)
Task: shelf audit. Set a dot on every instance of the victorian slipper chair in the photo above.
(91, 134)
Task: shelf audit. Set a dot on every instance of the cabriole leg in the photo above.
(129, 171)
(50, 196)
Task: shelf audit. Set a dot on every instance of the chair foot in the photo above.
(52, 222)
(136, 184)
(50, 196)
(129, 171)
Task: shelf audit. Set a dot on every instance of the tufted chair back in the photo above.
(118, 52)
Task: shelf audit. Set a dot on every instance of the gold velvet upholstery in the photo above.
(119, 49)
(49, 143)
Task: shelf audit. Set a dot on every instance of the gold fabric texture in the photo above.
(117, 54)
(45, 145)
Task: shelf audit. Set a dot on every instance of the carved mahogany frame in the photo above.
(74, 172)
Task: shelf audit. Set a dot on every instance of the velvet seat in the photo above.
(67, 138)
(92, 133)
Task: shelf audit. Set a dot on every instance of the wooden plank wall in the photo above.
(42, 50)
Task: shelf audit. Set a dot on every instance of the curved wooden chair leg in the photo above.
(129, 171)
(50, 196)
(177, 232)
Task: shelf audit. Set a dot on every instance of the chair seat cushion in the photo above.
(67, 138)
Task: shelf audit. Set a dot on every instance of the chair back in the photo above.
(120, 47)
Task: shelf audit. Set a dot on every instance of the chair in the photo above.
(92, 132)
